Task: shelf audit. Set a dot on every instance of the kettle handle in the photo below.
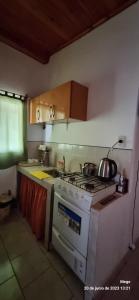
(88, 163)
(114, 172)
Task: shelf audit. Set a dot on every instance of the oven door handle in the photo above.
(63, 242)
(69, 205)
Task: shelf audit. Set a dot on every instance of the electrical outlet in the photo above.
(123, 139)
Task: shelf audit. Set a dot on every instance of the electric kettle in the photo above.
(107, 169)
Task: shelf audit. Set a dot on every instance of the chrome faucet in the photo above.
(81, 168)
(64, 163)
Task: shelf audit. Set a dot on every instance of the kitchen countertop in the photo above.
(46, 183)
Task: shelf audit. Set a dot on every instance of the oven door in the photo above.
(72, 223)
(72, 257)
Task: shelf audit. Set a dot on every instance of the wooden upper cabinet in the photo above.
(33, 108)
(66, 102)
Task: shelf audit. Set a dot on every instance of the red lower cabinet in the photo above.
(33, 199)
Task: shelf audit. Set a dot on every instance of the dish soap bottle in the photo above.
(122, 186)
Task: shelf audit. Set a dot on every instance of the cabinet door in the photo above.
(39, 112)
(47, 111)
(43, 111)
(58, 101)
(34, 110)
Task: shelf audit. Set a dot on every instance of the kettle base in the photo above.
(104, 179)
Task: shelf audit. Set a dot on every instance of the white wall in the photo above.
(106, 60)
(134, 193)
(8, 180)
(21, 74)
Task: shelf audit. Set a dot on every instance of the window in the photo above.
(11, 131)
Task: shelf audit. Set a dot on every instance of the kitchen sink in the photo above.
(55, 173)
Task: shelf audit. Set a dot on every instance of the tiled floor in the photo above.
(127, 271)
(28, 271)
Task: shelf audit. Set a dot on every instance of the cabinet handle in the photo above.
(38, 114)
(51, 112)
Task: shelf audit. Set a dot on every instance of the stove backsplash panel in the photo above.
(32, 147)
(76, 155)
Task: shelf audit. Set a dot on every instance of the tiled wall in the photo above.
(76, 155)
(33, 148)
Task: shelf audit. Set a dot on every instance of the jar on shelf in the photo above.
(122, 186)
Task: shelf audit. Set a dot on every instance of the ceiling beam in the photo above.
(17, 44)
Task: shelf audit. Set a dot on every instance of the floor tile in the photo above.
(27, 225)
(10, 290)
(30, 265)
(135, 289)
(19, 243)
(129, 271)
(5, 267)
(57, 262)
(48, 286)
(13, 225)
(42, 247)
(74, 284)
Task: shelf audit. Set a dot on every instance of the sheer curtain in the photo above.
(12, 131)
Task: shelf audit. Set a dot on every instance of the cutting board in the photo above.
(41, 175)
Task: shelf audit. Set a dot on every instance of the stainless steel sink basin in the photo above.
(55, 173)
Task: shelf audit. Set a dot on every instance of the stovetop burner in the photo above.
(90, 184)
(72, 179)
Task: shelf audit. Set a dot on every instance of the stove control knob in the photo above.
(64, 189)
(76, 195)
(59, 186)
(71, 193)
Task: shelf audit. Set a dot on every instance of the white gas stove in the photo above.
(74, 196)
(83, 191)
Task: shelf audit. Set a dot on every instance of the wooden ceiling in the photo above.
(39, 28)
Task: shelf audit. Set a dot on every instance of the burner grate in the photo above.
(90, 184)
